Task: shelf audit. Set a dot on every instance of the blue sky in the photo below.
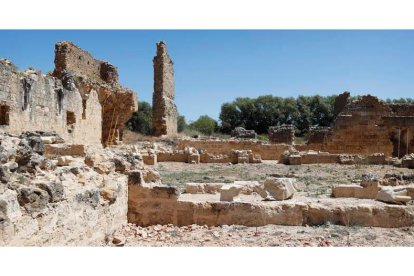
(213, 67)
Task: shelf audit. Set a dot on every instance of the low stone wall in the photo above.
(162, 204)
(267, 151)
(319, 158)
(176, 156)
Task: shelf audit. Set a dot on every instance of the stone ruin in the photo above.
(72, 64)
(164, 111)
(284, 134)
(318, 134)
(368, 125)
(82, 101)
(240, 132)
(59, 186)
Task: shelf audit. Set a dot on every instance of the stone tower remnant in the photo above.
(164, 110)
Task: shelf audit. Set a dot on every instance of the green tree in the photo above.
(141, 120)
(204, 124)
(181, 123)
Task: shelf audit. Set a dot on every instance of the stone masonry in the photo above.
(164, 110)
(31, 101)
(72, 64)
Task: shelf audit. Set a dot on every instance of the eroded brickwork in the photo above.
(38, 102)
(89, 74)
(164, 110)
(282, 134)
(83, 101)
(368, 125)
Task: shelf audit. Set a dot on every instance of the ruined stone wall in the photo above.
(164, 110)
(39, 102)
(317, 135)
(282, 134)
(89, 74)
(49, 198)
(162, 204)
(359, 129)
(225, 147)
(69, 57)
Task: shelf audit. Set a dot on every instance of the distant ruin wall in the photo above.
(282, 134)
(164, 110)
(265, 150)
(368, 125)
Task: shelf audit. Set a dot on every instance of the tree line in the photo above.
(255, 113)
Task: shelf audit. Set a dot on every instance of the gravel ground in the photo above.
(269, 236)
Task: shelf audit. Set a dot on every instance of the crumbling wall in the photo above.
(71, 58)
(282, 134)
(317, 135)
(39, 102)
(89, 75)
(164, 110)
(359, 129)
(48, 198)
(242, 133)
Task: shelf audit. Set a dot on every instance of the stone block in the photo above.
(64, 149)
(279, 188)
(230, 192)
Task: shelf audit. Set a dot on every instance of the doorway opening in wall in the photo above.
(400, 142)
(4, 115)
(70, 120)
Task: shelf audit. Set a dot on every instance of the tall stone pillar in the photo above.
(164, 110)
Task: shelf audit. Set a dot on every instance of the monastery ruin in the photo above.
(68, 176)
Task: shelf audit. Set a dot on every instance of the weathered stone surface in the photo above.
(64, 160)
(164, 110)
(230, 192)
(41, 103)
(33, 199)
(54, 189)
(203, 188)
(356, 191)
(279, 188)
(393, 195)
(64, 149)
(240, 132)
(408, 161)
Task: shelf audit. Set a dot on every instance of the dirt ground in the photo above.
(314, 181)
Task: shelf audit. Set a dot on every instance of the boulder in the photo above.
(53, 188)
(32, 199)
(279, 188)
(64, 160)
(395, 196)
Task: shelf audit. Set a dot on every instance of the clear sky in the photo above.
(213, 67)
